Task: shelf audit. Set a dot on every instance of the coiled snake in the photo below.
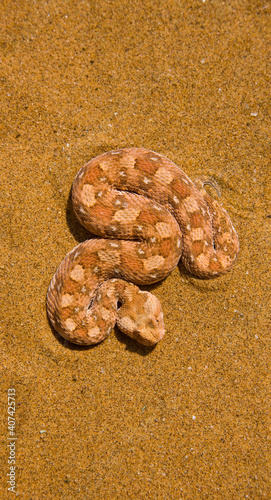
(147, 214)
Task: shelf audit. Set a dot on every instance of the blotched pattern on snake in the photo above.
(147, 214)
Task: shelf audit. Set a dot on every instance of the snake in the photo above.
(146, 216)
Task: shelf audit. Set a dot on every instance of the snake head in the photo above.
(142, 320)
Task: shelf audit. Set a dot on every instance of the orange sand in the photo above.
(190, 419)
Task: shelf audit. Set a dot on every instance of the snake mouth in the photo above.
(91, 303)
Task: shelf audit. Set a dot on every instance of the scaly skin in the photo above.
(147, 215)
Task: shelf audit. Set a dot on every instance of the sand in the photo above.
(189, 419)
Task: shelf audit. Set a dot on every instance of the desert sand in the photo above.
(190, 418)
